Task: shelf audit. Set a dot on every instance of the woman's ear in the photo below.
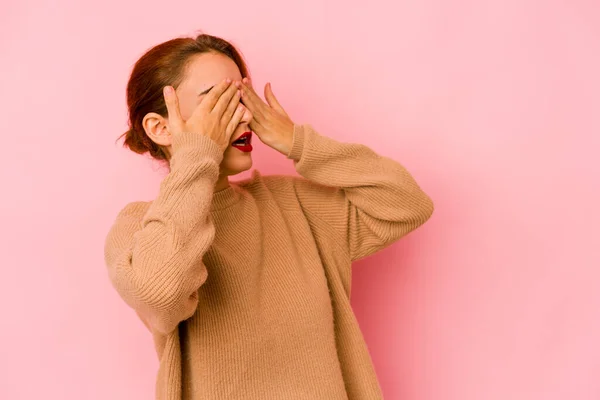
(156, 128)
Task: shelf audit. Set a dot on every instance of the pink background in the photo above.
(493, 105)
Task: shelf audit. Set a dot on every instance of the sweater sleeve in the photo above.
(367, 201)
(154, 253)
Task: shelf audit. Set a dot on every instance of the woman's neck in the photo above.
(222, 183)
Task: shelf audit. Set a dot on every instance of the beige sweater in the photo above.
(247, 290)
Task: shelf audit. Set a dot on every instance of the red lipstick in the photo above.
(244, 142)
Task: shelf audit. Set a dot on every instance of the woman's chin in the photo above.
(237, 165)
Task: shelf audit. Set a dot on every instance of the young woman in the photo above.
(245, 286)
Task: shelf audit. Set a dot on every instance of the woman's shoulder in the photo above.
(134, 209)
(130, 216)
(126, 223)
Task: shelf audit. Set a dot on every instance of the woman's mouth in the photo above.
(244, 142)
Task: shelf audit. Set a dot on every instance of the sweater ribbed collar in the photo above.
(225, 197)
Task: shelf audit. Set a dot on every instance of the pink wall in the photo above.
(493, 105)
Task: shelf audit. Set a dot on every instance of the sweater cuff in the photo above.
(194, 146)
(297, 143)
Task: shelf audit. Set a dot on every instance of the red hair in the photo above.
(160, 66)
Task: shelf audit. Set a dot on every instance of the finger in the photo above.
(256, 126)
(172, 103)
(248, 89)
(272, 100)
(208, 103)
(235, 120)
(224, 100)
(233, 103)
(247, 81)
(251, 100)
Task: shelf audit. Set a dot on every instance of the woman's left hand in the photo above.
(270, 122)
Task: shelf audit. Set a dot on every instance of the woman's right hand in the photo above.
(217, 115)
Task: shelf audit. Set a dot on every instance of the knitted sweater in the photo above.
(246, 290)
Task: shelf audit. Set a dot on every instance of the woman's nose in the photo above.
(247, 117)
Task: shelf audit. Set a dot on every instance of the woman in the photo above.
(245, 286)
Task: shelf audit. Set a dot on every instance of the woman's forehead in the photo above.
(209, 69)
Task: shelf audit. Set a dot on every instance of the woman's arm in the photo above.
(154, 254)
(368, 200)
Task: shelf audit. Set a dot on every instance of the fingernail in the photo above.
(228, 80)
(168, 90)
